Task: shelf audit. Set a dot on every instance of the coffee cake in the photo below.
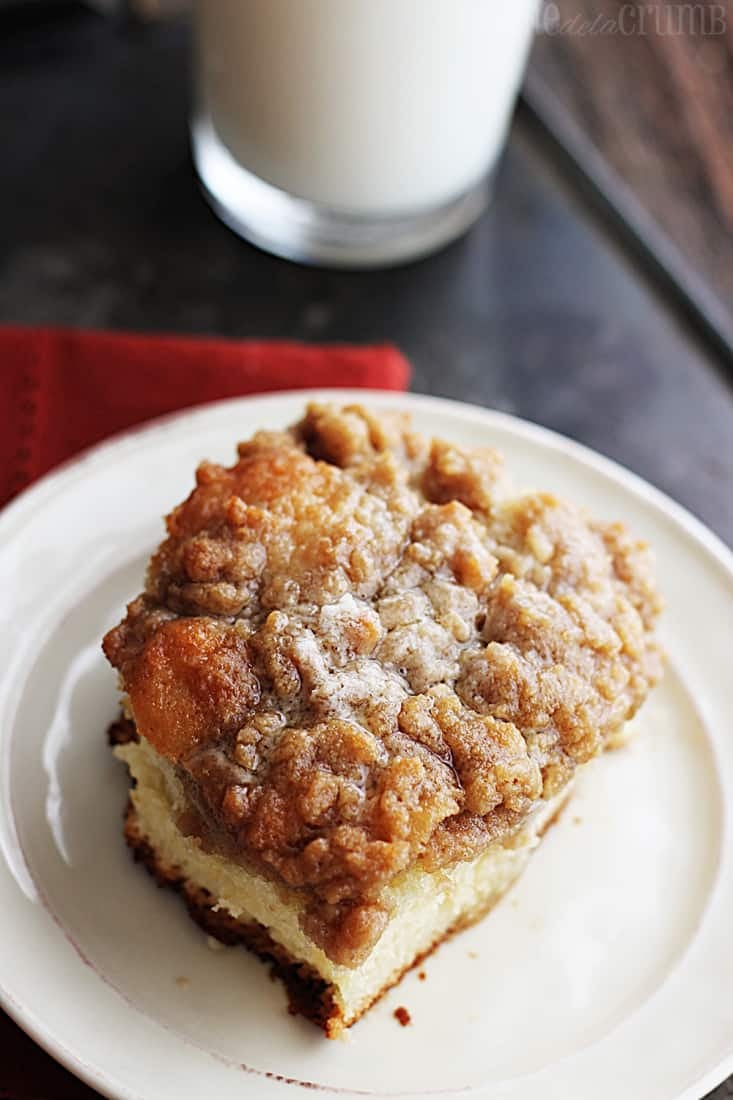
(359, 681)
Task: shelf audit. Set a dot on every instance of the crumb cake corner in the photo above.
(357, 687)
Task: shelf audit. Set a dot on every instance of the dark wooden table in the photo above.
(640, 93)
(539, 311)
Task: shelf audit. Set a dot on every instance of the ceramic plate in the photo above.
(606, 972)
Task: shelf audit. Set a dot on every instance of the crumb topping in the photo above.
(360, 652)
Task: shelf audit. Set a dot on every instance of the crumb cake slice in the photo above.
(358, 685)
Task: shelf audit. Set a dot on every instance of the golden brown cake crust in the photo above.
(308, 994)
(358, 652)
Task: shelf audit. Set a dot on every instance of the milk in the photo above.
(373, 107)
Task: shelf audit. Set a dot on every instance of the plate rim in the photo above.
(113, 448)
(109, 448)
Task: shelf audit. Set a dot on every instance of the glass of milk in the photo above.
(354, 133)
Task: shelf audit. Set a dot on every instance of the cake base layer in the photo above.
(226, 899)
(308, 994)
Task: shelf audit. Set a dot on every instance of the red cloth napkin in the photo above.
(61, 391)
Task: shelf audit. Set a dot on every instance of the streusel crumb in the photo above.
(359, 652)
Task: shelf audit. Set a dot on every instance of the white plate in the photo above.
(607, 972)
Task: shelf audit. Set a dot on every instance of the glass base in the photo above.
(311, 233)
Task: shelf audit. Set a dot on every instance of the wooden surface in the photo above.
(537, 311)
(642, 96)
